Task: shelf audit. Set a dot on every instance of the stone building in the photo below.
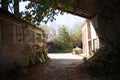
(90, 38)
(15, 39)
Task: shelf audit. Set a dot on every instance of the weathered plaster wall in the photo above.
(89, 38)
(85, 38)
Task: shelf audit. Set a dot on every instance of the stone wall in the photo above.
(107, 26)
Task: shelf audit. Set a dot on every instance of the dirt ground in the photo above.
(59, 67)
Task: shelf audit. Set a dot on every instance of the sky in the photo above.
(67, 19)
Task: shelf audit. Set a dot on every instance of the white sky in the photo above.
(68, 20)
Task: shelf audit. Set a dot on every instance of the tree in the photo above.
(37, 10)
(77, 36)
(78, 32)
(64, 37)
(62, 34)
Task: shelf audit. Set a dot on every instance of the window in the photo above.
(38, 38)
(31, 37)
(95, 44)
(18, 34)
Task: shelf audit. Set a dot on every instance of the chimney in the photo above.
(5, 4)
(16, 7)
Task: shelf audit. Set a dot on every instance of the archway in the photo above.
(105, 15)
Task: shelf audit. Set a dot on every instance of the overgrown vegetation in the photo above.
(37, 10)
(105, 62)
(32, 54)
(64, 40)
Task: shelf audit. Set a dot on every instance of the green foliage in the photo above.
(105, 62)
(64, 37)
(33, 54)
(61, 51)
(62, 34)
(37, 10)
(77, 33)
(41, 53)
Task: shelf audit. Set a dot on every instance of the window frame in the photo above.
(18, 33)
(31, 36)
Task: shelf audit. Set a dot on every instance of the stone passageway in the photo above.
(59, 67)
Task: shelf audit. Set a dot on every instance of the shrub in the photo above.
(105, 62)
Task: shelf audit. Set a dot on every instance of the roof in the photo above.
(16, 18)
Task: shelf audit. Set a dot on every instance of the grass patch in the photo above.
(60, 51)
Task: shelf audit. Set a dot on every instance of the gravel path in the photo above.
(59, 67)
